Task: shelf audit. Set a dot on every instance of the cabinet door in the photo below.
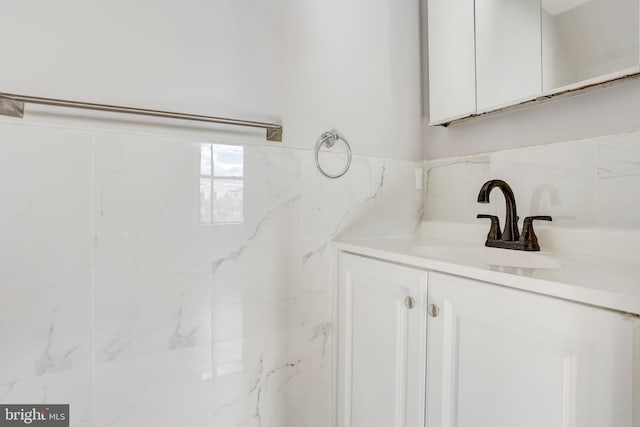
(508, 52)
(382, 344)
(588, 41)
(500, 357)
(452, 67)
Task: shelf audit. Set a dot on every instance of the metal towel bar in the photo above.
(13, 105)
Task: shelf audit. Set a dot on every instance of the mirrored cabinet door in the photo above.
(586, 41)
(508, 52)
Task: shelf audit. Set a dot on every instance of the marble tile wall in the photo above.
(586, 183)
(161, 282)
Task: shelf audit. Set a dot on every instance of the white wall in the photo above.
(207, 57)
(311, 65)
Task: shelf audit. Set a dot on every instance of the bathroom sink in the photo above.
(488, 256)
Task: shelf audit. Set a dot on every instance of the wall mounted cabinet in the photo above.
(486, 55)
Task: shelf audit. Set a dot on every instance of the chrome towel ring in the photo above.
(329, 139)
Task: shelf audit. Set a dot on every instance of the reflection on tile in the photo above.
(151, 271)
(554, 180)
(221, 184)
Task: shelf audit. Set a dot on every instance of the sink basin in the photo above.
(488, 256)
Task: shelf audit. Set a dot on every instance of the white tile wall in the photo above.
(45, 268)
(618, 182)
(587, 183)
(121, 296)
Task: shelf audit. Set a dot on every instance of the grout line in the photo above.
(92, 303)
(303, 200)
(541, 50)
(596, 196)
(475, 54)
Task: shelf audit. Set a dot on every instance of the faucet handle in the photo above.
(528, 237)
(539, 218)
(494, 231)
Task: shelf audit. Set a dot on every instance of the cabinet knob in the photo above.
(434, 310)
(409, 302)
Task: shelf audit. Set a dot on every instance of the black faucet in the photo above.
(510, 238)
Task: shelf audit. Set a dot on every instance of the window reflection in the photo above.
(221, 202)
(221, 184)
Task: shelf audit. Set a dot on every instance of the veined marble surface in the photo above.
(598, 267)
(160, 282)
(587, 183)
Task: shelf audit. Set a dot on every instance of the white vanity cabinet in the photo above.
(494, 356)
(382, 344)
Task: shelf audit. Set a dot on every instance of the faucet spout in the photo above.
(510, 233)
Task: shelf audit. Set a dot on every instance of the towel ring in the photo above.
(329, 139)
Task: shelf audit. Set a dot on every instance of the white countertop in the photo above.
(601, 280)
